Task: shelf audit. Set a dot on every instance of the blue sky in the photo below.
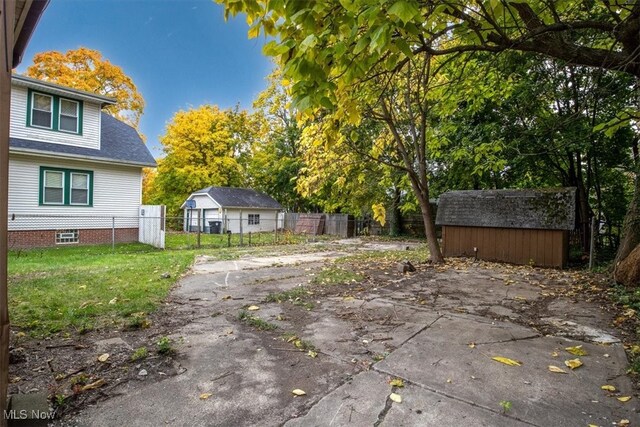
(179, 53)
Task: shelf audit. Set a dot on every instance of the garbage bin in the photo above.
(215, 227)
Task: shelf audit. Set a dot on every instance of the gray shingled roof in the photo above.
(547, 209)
(232, 197)
(120, 143)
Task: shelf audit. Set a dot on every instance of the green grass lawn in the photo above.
(84, 287)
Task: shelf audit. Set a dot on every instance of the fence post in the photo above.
(113, 233)
(199, 226)
(592, 248)
(276, 232)
(241, 235)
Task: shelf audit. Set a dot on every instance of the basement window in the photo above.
(64, 237)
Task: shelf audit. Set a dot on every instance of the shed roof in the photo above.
(546, 209)
(119, 143)
(233, 197)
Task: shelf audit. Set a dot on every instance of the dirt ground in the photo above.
(327, 337)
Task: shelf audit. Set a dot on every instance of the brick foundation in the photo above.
(24, 239)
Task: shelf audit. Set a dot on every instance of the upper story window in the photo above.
(69, 115)
(54, 112)
(42, 114)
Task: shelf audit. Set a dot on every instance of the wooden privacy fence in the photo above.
(314, 224)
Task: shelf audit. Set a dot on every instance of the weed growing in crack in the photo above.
(256, 322)
(294, 296)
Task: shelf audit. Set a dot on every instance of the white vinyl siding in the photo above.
(90, 137)
(117, 193)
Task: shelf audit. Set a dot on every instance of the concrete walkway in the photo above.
(436, 330)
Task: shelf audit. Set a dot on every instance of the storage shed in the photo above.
(222, 209)
(516, 226)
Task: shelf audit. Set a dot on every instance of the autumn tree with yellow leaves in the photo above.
(86, 69)
(203, 146)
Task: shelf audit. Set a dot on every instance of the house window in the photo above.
(68, 115)
(64, 237)
(254, 219)
(53, 187)
(42, 113)
(53, 112)
(79, 188)
(66, 187)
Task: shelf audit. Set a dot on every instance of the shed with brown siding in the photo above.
(515, 226)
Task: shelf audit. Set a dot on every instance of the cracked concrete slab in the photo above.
(442, 360)
(416, 323)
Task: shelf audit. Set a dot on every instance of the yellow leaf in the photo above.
(555, 354)
(507, 361)
(93, 385)
(576, 351)
(312, 354)
(624, 398)
(395, 397)
(103, 357)
(573, 363)
(623, 422)
(205, 396)
(608, 388)
(556, 369)
(348, 298)
(226, 297)
(472, 345)
(113, 301)
(298, 392)
(397, 382)
(253, 308)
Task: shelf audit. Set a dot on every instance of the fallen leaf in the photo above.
(226, 297)
(95, 384)
(556, 369)
(253, 308)
(576, 351)
(608, 388)
(623, 422)
(507, 361)
(298, 392)
(555, 354)
(312, 354)
(624, 398)
(103, 357)
(348, 298)
(397, 382)
(113, 301)
(205, 396)
(82, 287)
(573, 363)
(280, 317)
(472, 345)
(395, 397)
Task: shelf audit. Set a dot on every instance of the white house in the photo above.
(75, 172)
(222, 209)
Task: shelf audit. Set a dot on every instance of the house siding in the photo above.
(543, 248)
(117, 193)
(90, 137)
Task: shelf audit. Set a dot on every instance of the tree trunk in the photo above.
(395, 225)
(631, 226)
(430, 231)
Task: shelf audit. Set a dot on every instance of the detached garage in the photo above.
(220, 209)
(515, 226)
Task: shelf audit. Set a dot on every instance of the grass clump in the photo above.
(295, 296)
(165, 345)
(298, 343)
(336, 276)
(256, 322)
(140, 353)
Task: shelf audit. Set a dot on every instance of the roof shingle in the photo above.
(120, 143)
(546, 209)
(240, 197)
